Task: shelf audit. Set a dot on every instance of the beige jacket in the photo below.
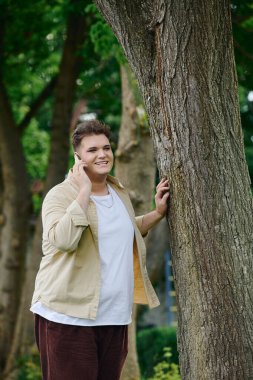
(69, 278)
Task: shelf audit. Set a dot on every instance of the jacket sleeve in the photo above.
(139, 220)
(62, 225)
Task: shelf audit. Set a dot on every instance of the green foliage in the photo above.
(166, 369)
(105, 42)
(29, 367)
(31, 53)
(247, 123)
(242, 17)
(100, 86)
(31, 56)
(36, 144)
(37, 203)
(150, 347)
(36, 149)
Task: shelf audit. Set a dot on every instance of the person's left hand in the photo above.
(161, 197)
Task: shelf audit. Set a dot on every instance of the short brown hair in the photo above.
(87, 128)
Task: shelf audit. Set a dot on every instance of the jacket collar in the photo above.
(115, 181)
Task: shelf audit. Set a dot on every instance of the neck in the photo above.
(99, 187)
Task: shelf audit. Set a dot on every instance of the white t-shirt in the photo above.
(115, 237)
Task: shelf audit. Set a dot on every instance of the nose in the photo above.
(101, 153)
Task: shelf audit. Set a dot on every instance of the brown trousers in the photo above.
(80, 353)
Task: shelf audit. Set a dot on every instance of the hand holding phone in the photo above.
(80, 174)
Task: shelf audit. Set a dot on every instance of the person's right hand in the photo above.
(81, 176)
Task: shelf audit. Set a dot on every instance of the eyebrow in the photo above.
(95, 147)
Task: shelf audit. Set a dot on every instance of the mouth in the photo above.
(102, 163)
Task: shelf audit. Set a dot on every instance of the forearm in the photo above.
(150, 220)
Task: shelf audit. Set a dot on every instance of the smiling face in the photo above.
(96, 152)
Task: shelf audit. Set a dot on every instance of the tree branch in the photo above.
(35, 106)
(243, 52)
(237, 19)
(2, 32)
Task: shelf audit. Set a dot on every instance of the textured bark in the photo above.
(14, 226)
(135, 167)
(182, 55)
(57, 168)
(1, 206)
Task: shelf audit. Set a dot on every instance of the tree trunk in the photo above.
(135, 168)
(1, 206)
(14, 222)
(57, 168)
(182, 55)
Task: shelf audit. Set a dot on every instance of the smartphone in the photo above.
(77, 155)
(79, 158)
